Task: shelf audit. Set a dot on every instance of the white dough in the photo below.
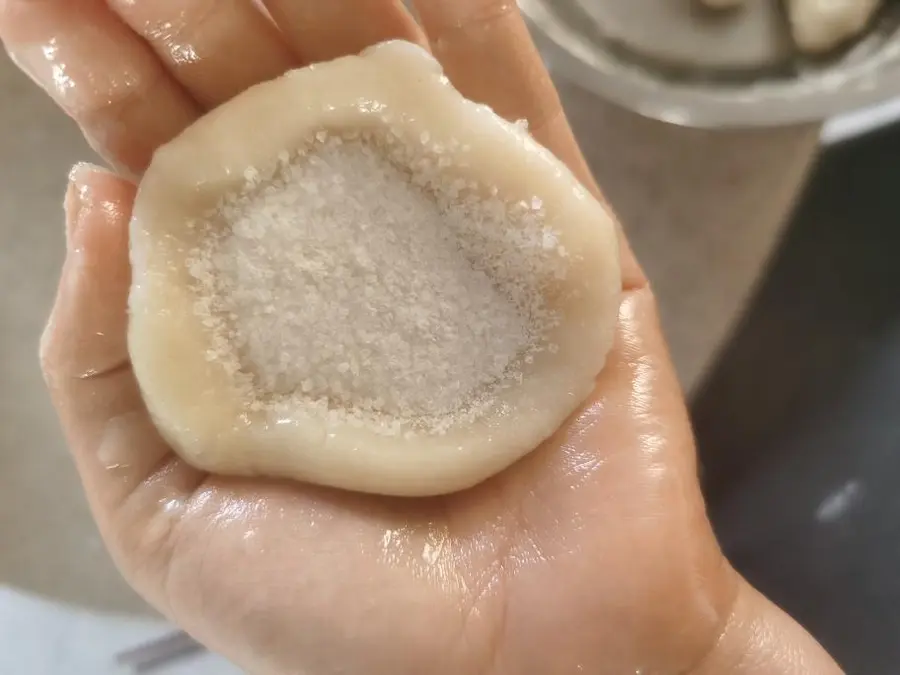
(818, 26)
(355, 277)
(822, 25)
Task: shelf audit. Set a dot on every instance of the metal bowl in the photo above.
(805, 90)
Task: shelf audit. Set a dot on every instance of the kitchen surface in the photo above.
(797, 421)
(792, 364)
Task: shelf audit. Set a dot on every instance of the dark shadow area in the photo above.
(799, 423)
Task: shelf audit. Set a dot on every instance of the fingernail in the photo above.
(79, 198)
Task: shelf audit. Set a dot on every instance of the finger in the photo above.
(100, 73)
(127, 469)
(321, 31)
(215, 48)
(488, 54)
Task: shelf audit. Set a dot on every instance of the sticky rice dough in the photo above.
(821, 25)
(818, 26)
(355, 277)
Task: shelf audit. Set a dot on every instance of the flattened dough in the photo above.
(355, 277)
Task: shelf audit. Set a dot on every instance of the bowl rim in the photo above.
(816, 98)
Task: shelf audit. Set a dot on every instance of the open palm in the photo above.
(591, 555)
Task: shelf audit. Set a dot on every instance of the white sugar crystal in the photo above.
(355, 285)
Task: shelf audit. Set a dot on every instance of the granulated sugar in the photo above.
(362, 277)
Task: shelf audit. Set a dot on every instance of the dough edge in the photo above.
(195, 406)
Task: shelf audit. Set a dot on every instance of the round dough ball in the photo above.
(819, 26)
(355, 277)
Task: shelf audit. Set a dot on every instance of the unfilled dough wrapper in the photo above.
(355, 277)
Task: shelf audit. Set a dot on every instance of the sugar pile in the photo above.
(371, 280)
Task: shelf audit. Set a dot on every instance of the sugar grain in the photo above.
(369, 279)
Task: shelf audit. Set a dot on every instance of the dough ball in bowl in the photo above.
(355, 277)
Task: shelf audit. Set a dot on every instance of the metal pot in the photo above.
(577, 46)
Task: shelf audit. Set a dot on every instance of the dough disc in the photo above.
(355, 277)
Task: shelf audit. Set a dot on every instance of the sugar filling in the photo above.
(367, 278)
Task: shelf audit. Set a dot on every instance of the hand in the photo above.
(592, 555)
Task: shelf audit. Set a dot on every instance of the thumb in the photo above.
(130, 475)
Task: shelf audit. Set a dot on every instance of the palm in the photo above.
(591, 555)
(583, 554)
